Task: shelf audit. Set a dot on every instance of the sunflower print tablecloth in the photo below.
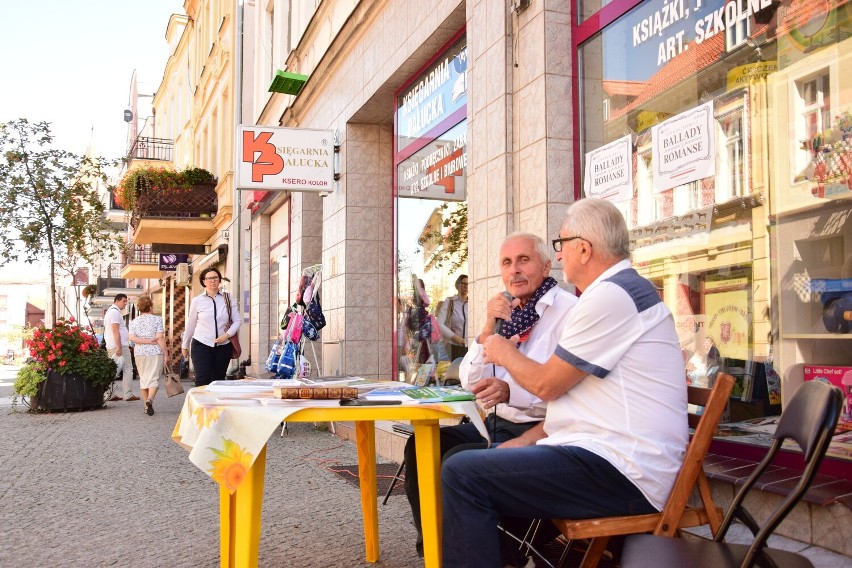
(225, 434)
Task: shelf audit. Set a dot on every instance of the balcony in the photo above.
(141, 263)
(184, 217)
(154, 149)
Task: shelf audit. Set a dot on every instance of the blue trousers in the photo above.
(210, 363)
(480, 486)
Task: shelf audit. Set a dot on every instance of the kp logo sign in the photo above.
(286, 159)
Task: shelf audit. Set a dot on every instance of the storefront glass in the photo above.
(431, 209)
(723, 131)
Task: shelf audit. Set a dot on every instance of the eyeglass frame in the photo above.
(211, 278)
(557, 243)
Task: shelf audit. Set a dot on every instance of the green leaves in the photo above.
(52, 200)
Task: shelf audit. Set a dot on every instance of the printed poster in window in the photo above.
(729, 322)
(609, 171)
(684, 148)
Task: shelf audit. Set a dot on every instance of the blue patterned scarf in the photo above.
(524, 319)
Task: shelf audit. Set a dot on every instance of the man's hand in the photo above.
(497, 348)
(491, 392)
(222, 339)
(528, 438)
(498, 307)
(185, 353)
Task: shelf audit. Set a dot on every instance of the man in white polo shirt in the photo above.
(117, 340)
(613, 438)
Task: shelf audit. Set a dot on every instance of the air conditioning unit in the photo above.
(182, 275)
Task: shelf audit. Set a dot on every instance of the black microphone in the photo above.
(498, 327)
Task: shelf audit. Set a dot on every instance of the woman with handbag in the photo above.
(212, 323)
(148, 336)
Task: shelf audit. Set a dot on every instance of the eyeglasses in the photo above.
(557, 243)
(212, 278)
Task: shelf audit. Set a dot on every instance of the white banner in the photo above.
(609, 171)
(684, 148)
(285, 159)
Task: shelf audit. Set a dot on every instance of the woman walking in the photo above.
(209, 329)
(148, 336)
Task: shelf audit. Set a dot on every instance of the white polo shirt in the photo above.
(523, 406)
(113, 315)
(631, 407)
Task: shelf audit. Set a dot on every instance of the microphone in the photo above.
(498, 327)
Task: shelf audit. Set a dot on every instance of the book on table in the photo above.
(439, 394)
(389, 390)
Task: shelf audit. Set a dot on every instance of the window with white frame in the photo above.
(649, 206)
(737, 34)
(813, 114)
(730, 169)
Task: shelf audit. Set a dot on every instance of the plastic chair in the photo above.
(809, 419)
(676, 514)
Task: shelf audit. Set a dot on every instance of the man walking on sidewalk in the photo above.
(118, 344)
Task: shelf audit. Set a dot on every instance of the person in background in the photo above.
(118, 345)
(148, 336)
(207, 330)
(538, 309)
(613, 437)
(452, 320)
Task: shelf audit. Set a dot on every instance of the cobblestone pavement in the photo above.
(110, 488)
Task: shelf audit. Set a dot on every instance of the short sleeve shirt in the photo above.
(113, 315)
(147, 326)
(631, 407)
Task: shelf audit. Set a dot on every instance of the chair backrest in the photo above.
(713, 403)
(809, 419)
(451, 376)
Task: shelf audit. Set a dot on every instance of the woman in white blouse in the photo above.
(207, 330)
(149, 345)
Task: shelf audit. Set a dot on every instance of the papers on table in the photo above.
(226, 401)
(241, 386)
(386, 390)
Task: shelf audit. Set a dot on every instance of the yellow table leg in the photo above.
(239, 518)
(365, 436)
(428, 447)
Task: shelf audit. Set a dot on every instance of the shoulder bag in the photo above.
(173, 385)
(236, 349)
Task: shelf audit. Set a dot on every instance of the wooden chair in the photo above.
(809, 418)
(676, 514)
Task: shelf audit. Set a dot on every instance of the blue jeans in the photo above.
(480, 486)
(210, 363)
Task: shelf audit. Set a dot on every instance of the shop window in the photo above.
(687, 197)
(813, 115)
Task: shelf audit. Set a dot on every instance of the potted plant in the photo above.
(89, 290)
(157, 180)
(67, 371)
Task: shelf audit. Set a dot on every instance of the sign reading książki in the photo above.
(275, 158)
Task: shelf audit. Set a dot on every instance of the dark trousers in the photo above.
(210, 363)
(456, 438)
(480, 486)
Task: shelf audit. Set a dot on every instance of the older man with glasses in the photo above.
(612, 439)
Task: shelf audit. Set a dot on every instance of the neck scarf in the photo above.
(524, 319)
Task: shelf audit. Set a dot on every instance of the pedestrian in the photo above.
(118, 346)
(148, 336)
(613, 437)
(452, 320)
(537, 310)
(207, 330)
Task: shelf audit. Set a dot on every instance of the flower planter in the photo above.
(67, 393)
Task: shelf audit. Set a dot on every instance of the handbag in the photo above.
(236, 349)
(173, 384)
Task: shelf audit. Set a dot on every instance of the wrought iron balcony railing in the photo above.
(141, 254)
(200, 201)
(146, 148)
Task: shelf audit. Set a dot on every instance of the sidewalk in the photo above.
(110, 488)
